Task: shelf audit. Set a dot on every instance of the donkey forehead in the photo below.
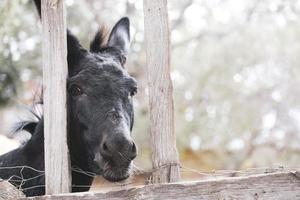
(99, 70)
(101, 63)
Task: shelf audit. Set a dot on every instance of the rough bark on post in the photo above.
(163, 139)
(274, 186)
(55, 72)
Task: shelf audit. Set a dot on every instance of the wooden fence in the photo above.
(256, 184)
(55, 72)
(163, 141)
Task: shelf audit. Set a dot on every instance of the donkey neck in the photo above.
(80, 157)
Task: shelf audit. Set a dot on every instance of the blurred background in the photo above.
(235, 70)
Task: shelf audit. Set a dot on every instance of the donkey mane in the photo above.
(29, 124)
(99, 41)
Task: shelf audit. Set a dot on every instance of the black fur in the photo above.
(98, 42)
(28, 126)
(100, 118)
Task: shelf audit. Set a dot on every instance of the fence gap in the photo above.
(55, 70)
(163, 139)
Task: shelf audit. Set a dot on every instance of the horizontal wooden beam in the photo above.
(8, 191)
(273, 186)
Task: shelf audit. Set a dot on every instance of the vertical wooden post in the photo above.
(163, 139)
(55, 70)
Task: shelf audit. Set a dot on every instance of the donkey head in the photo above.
(100, 95)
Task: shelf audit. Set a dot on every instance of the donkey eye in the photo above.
(133, 91)
(75, 90)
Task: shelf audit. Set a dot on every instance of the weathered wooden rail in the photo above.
(271, 184)
(8, 191)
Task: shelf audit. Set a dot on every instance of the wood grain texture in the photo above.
(8, 191)
(143, 177)
(55, 70)
(163, 140)
(273, 186)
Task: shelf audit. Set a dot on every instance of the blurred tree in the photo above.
(18, 53)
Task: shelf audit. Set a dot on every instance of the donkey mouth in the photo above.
(112, 177)
(112, 170)
(116, 173)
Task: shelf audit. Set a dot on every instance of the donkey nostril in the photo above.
(133, 148)
(106, 150)
(104, 147)
(133, 151)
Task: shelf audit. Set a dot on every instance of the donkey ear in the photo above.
(120, 36)
(75, 50)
